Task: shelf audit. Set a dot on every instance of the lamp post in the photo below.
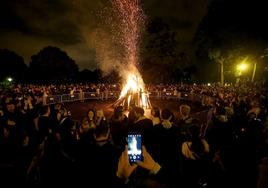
(254, 71)
(9, 79)
(255, 67)
(222, 75)
(240, 68)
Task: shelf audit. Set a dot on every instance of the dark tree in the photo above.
(52, 64)
(90, 76)
(85, 75)
(189, 72)
(229, 28)
(159, 53)
(110, 78)
(12, 65)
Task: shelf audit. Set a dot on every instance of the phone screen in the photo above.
(134, 148)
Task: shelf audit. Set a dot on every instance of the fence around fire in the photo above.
(113, 95)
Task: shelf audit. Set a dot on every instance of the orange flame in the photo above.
(133, 91)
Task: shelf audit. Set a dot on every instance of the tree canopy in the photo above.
(159, 53)
(229, 29)
(12, 65)
(53, 64)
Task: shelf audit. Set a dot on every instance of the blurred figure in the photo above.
(166, 141)
(155, 112)
(148, 173)
(196, 159)
(98, 163)
(118, 125)
(86, 131)
(100, 117)
(91, 118)
(184, 120)
(142, 125)
(184, 114)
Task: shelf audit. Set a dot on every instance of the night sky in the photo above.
(26, 26)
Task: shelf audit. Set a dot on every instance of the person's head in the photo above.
(194, 131)
(102, 132)
(99, 114)
(85, 124)
(132, 117)
(58, 106)
(91, 114)
(62, 113)
(185, 110)
(166, 114)
(139, 111)
(197, 145)
(155, 112)
(45, 110)
(118, 112)
(10, 106)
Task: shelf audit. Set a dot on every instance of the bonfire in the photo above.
(133, 92)
(130, 20)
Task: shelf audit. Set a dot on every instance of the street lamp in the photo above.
(9, 79)
(240, 68)
(254, 71)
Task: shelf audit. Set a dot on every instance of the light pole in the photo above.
(255, 67)
(254, 71)
(240, 68)
(222, 75)
(9, 79)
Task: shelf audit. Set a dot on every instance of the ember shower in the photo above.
(131, 19)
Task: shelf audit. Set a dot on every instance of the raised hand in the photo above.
(124, 169)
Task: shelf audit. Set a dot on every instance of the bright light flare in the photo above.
(242, 67)
(9, 79)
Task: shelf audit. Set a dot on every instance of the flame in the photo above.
(131, 19)
(134, 92)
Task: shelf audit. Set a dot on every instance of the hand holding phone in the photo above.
(148, 162)
(124, 169)
(134, 148)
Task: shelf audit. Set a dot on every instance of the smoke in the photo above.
(85, 29)
(107, 54)
(114, 41)
(88, 31)
(71, 25)
(99, 31)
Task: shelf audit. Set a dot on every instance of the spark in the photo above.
(131, 19)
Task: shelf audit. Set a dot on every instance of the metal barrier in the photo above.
(107, 95)
(204, 100)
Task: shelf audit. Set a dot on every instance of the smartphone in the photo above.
(134, 147)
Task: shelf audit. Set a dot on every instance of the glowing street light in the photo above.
(9, 79)
(241, 67)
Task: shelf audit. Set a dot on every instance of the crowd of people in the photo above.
(42, 145)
